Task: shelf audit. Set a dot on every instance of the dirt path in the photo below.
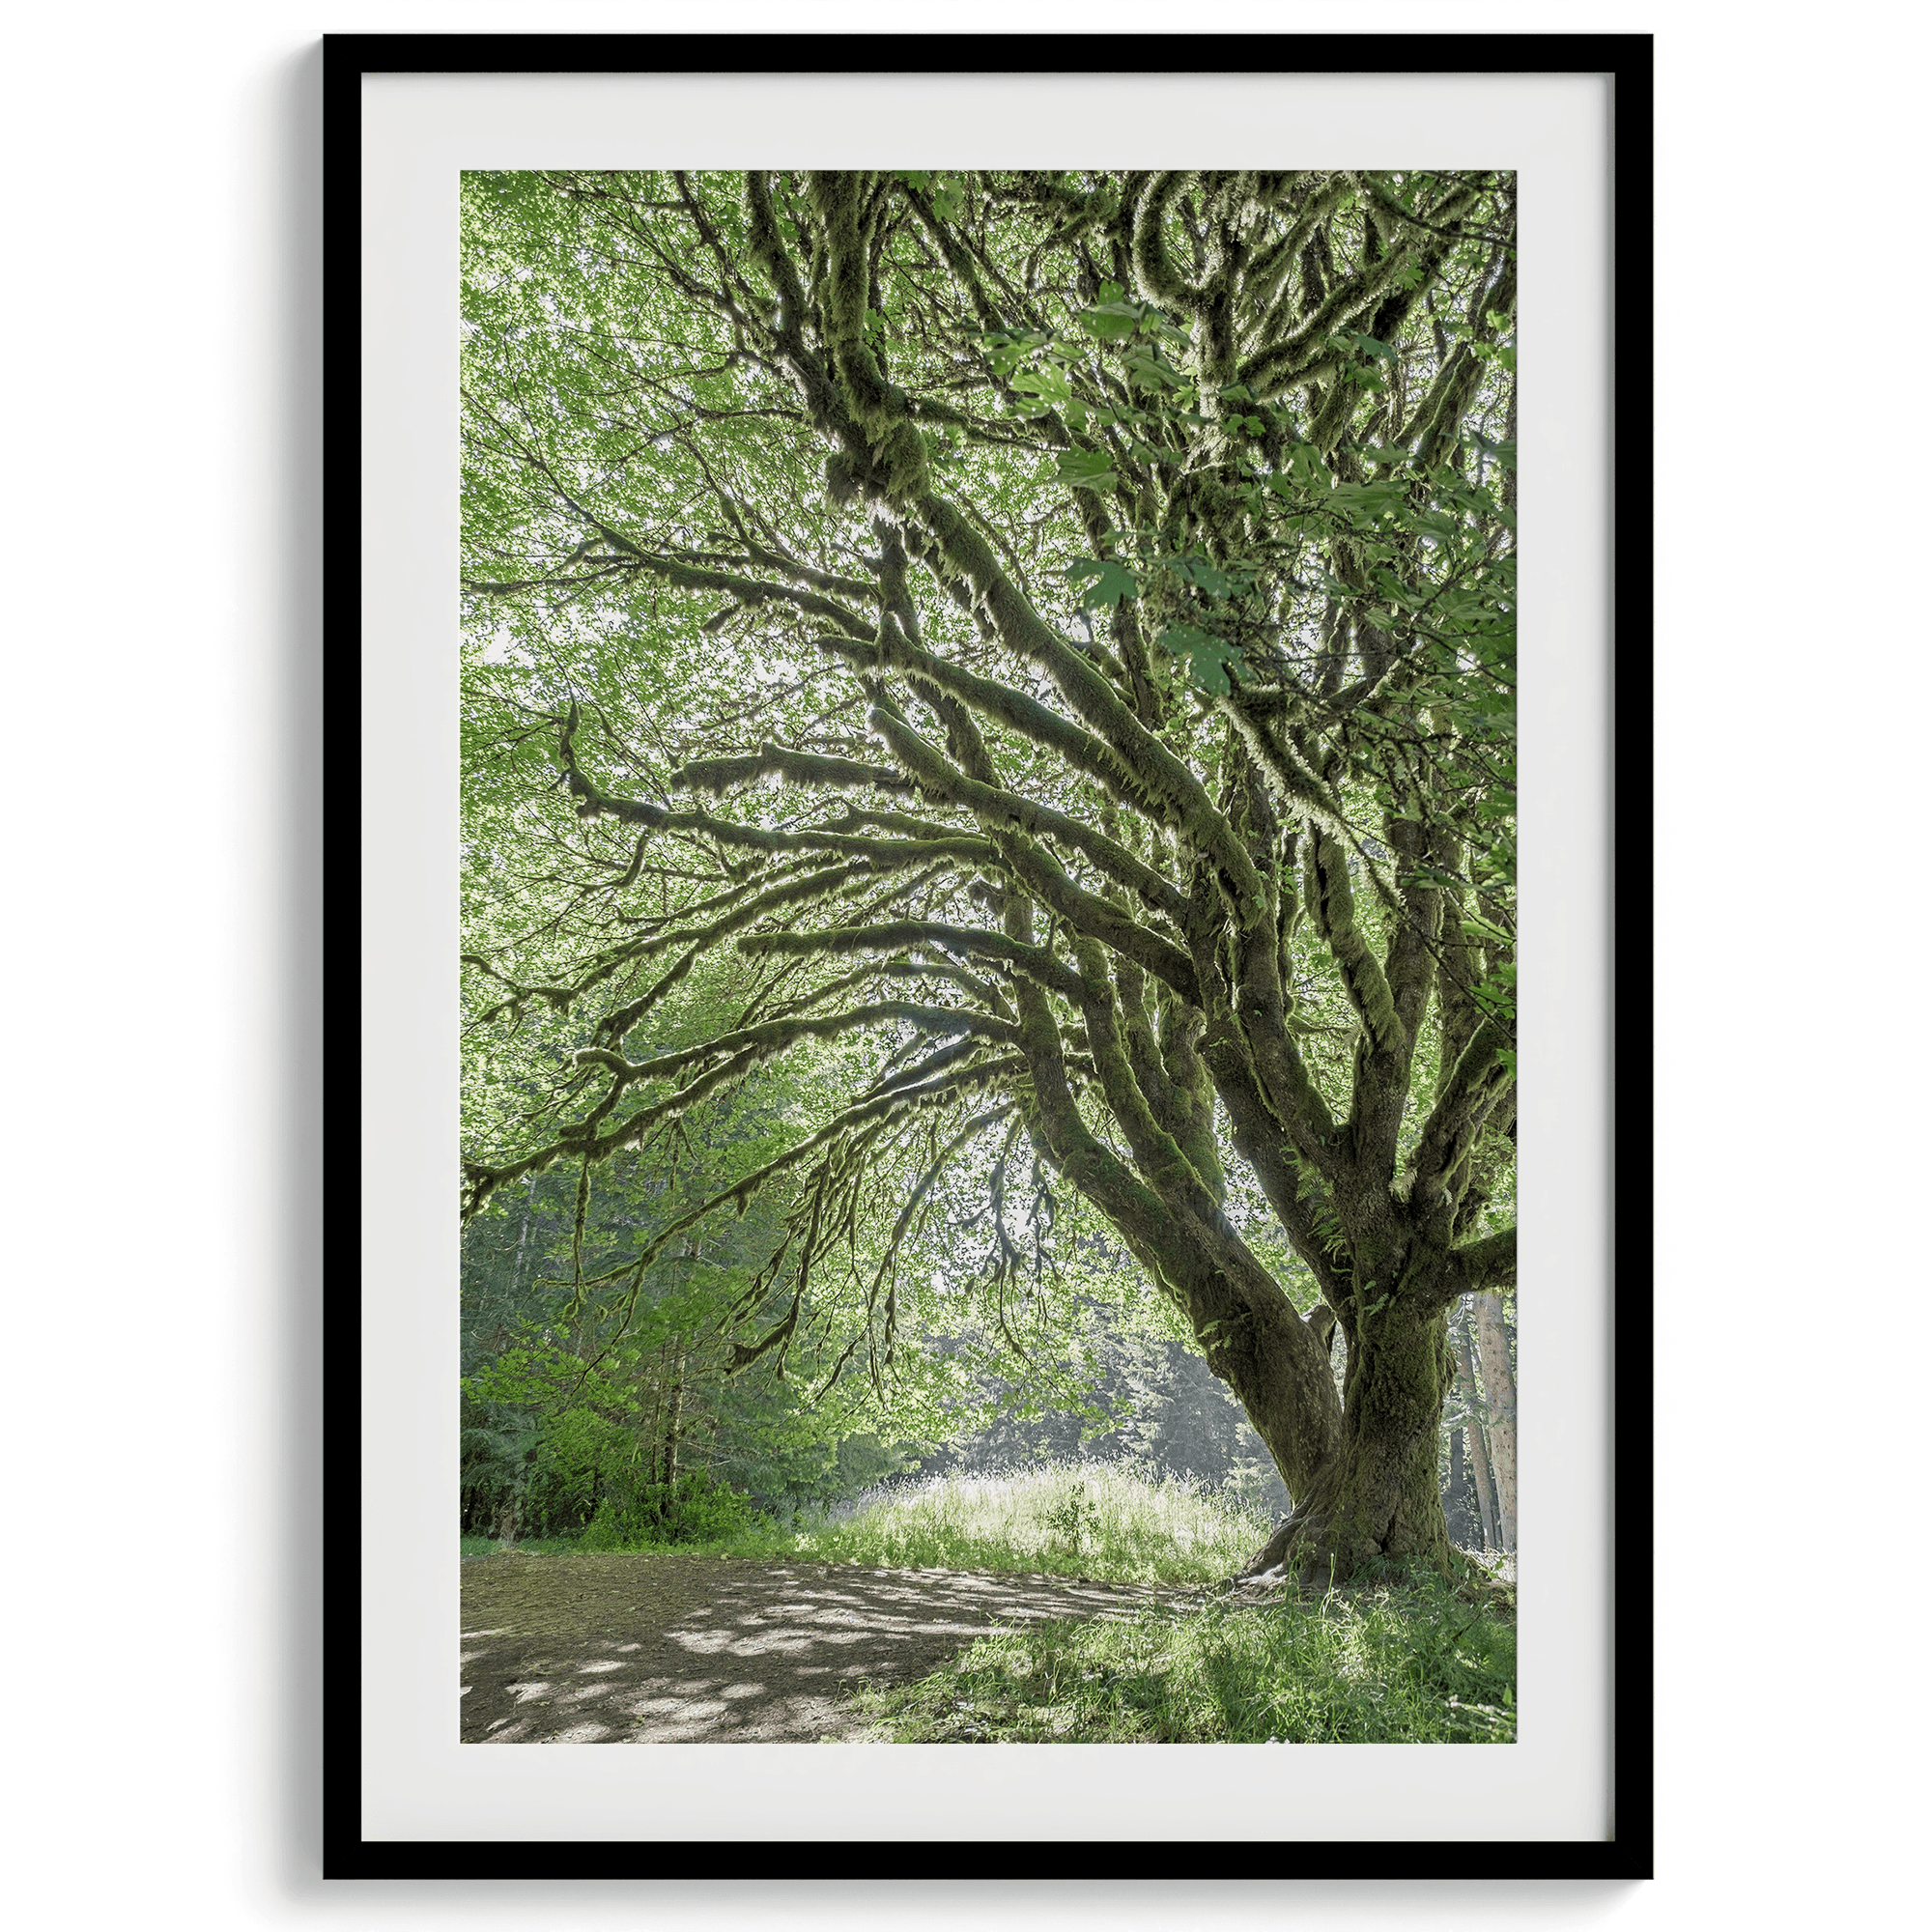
(670, 1649)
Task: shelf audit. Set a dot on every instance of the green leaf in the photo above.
(1207, 656)
(1197, 570)
(1048, 383)
(1106, 581)
(1085, 469)
(1304, 462)
(1147, 371)
(1113, 321)
(1368, 345)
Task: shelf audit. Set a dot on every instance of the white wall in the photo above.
(159, 428)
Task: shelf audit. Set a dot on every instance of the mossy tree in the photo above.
(1085, 603)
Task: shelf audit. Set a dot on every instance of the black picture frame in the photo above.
(1627, 60)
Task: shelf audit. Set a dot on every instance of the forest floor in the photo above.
(661, 1647)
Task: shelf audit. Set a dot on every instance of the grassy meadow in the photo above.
(1112, 1522)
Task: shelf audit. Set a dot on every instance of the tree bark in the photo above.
(523, 1236)
(1499, 1389)
(670, 1435)
(1377, 1496)
(1479, 1461)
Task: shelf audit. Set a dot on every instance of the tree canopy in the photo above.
(1041, 647)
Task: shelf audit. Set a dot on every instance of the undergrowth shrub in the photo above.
(693, 1509)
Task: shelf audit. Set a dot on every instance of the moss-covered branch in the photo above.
(1156, 1152)
(1310, 350)
(1159, 784)
(806, 768)
(1034, 962)
(994, 806)
(746, 590)
(1331, 909)
(1037, 869)
(1474, 1268)
(1036, 723)
(772, 1037)
(1480, 1079)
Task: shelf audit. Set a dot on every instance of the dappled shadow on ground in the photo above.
(665, 1649)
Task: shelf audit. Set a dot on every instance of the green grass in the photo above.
(1397, 1664)
(1106, 1521)
(535, 1546)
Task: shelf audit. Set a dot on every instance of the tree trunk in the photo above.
(671, 1434)
(1378, 1497)
(523, 1236)
(506, 1523)
(656, 1435)
(1499, 1388)
(1479, 1462)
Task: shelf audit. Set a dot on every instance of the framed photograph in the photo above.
(922, 661)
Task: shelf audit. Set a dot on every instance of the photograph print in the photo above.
(988, 892)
